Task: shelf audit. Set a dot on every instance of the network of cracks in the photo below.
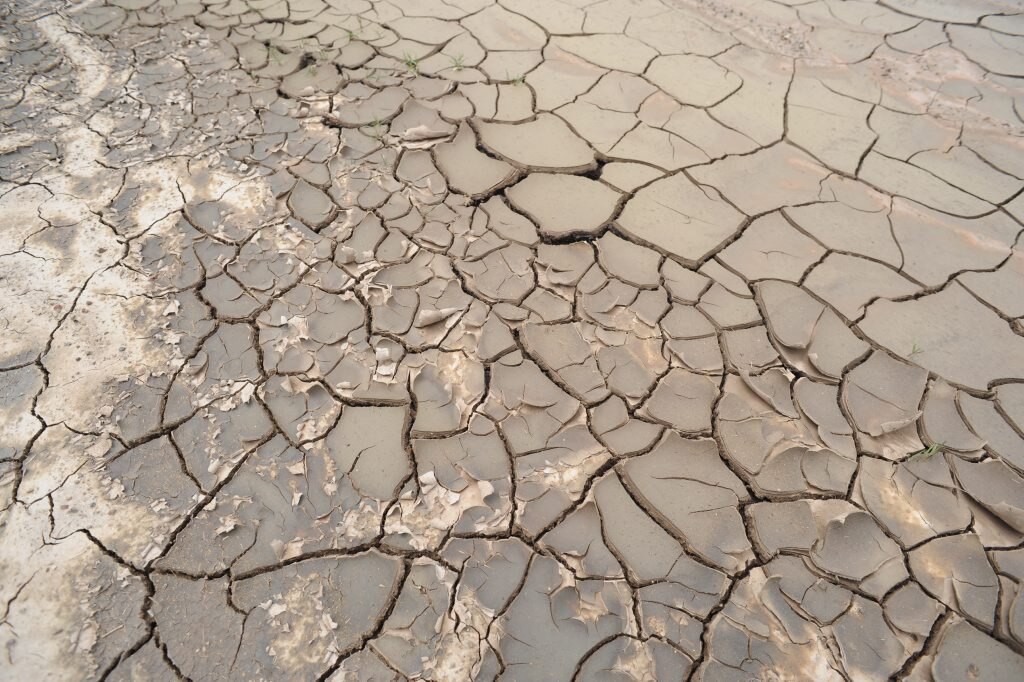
(521, 339)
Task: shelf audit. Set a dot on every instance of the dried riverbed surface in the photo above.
(521, 339)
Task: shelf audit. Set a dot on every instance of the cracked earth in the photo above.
(521, 339)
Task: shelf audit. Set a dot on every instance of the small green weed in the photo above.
(377, 129)
(925, 453)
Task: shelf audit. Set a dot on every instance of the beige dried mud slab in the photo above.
(467, 169)
(564, 205)
(946, 327)
(546, 143)
(680, 218)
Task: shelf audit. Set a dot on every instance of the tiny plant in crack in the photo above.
(925, 453)
(317, 55)
(376, 129)
(411, 63)
(519, 80)
(915, 350)
(458, 62)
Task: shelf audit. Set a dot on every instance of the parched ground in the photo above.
(522, 339)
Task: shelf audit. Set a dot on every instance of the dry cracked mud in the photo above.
(521, 339)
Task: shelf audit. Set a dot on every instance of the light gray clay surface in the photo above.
(633, 340)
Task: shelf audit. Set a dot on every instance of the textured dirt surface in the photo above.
(521, 339)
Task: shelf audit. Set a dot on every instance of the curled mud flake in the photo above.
(496, 270)
(419, 126)
(376, 107)
(308, 330)
(790, 313)
(303, 615)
